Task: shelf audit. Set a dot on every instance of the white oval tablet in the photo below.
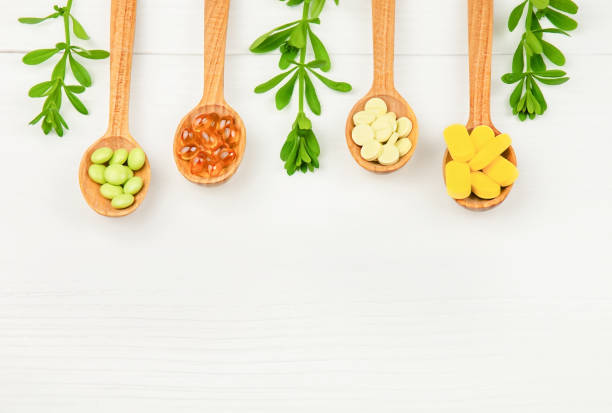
(364, 118)
(389, 155)
(376, 105)
(362, 134)
(404, 127)
(404, 145)
(371, 150)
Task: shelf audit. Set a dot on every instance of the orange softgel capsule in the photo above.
(187, 152)
(215, 169)
(198, 164)
(211, 140)
(206, 122)
(187, 136)
(227, 156)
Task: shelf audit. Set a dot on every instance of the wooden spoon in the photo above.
(383, 86)
(215, 32)
(123, 21)
(480, 24)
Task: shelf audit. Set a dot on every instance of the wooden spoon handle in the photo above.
(383, 29)
(480, 26)
(123, 24)
(215, 33)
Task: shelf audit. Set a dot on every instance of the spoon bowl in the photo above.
(395, 103)
(184, 166)
(478, 204)
(91, 189)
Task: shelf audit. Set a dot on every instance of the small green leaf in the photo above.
(540, 4)
(78, 29)
(515, 16)
(567, 6)
(337, 86)
(516, 94)
(59, 72)
(311, 94)
(553, 82)
(553, 54)
(42, 89)
(90, 54)
(533, 42)
(552, 73)
(510, 78)
(316, 7)
(38, 56)
(272, 83)
(284, 94)
(518, 61)
(290, 143)
(80, 73)
(561, 20)
(76, 102)
(271, 41)
(298, 36)
(36, 20)
(320, 51)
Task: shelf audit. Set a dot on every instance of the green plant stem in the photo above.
(67, 23)
(305, 14)
(528, 21)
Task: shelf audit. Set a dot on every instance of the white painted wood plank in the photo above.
(519, 322)
(423, 27)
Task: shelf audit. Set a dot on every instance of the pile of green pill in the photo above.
(118, 183)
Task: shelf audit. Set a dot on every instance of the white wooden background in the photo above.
(340, 291)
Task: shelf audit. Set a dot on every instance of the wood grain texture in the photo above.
(213, 100)
(480, 42)
(216, 13)
(383, 86)
(122, 29)
(289, 315)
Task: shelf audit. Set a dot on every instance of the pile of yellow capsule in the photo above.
(478, 165)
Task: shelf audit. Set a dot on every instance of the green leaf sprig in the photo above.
(53, 89)
(301, 149)
(528, 64)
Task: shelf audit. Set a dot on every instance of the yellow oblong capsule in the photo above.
(481, 136)
(458, 182)
(502, 171)
(483, 186)
(490, 152)
(459, 143)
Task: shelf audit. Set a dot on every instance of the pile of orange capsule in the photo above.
(209, 144)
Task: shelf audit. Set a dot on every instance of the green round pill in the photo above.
(122, 201)
(101, 155)
(116, 174)
(133, 186)
(109, 191)
(136, 159)
(96, 173)
(119, 156)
